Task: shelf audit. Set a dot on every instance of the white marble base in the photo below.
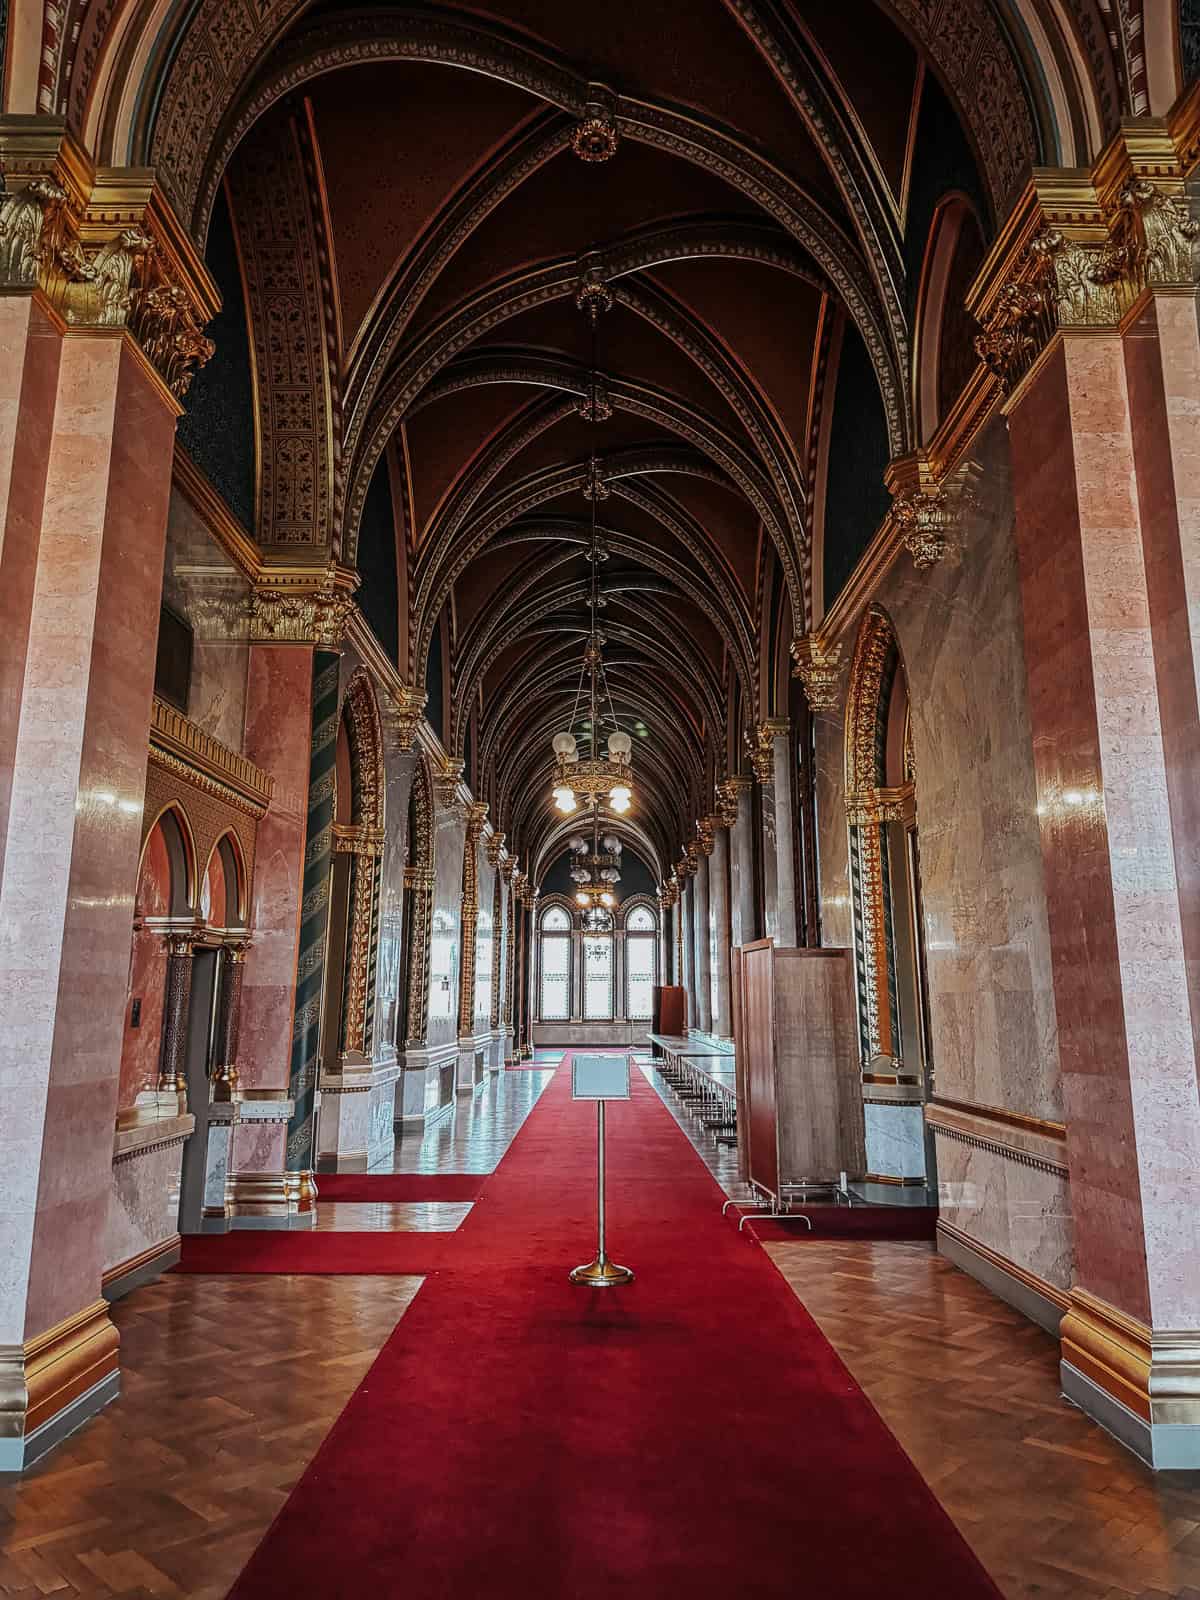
(143, 1207)
(425, 1089)
(895, 1140)
(473, 1053)
(356, 1128)
(720, 1044)
(508, 1045)
(1165, 1446)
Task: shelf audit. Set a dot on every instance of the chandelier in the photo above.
(611, 774)
(595, 873)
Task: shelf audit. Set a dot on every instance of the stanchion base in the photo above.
(602, 1274)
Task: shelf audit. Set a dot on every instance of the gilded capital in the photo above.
(303, 605)
(761, 745)
(447, 780)
(818, 666)
(495, 848)
(103, 247)
(706, 833)
(476, 817)
(405, 710)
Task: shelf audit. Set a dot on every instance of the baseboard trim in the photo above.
(1032, 1296)
(19, 1453)
(140, 1269)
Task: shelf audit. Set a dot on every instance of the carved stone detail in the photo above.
(595, 137)
(405, 710)
(818, 666)
(446, 782)
(706, 830)
(304, 608)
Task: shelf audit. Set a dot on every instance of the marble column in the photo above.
(742, 921)
(718, 905)
(229, 1020)
(76, 786)
(702, 935)
(786, 919)
(687, 901)
(1098, 648)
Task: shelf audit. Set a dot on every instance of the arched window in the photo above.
(598, 969)
(641, 963)
(555, 965)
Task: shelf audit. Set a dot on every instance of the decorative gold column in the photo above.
(172, 1072)
(476, 816)
(229, 1020)
(418, 886)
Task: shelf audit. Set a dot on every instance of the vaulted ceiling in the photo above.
(413, 226)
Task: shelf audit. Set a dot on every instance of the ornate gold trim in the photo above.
(1153, 1372)
(182, 747)
(818, 665)
(44, 1375)
(303, 605)
(1013, 1119)
(144, 1258)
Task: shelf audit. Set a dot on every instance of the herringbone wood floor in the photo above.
(228, 1387)
(1052, 1506)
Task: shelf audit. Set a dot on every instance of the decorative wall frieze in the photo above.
(103, 247)
(303, 605)
(818, 666)
(208, 764)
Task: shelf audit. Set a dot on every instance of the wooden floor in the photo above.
(1052, 1506)
(228, 1387)
(231, 1383)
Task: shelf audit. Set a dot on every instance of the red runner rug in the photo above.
(847, 1222)
(270, 1250)
(402, 1187)
(690, 1435)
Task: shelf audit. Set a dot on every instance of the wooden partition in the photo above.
(670, 1011)
(799, 1085)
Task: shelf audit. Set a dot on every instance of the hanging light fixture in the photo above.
(611, 775)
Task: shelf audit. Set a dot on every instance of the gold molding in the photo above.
(182, 747)
(145, 1258)
(41, 1377)
(1153, 1372)
(1012, 1119)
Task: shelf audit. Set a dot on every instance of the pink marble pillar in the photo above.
(278, 739)
(30, 348)
(1087, 526)
(73, 825)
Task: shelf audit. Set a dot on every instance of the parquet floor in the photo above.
(1054, 1508)
(228, 1387)
(230, 1384)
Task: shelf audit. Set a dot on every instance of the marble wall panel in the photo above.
(833, 839)
(144, 1204)
(987, 939)
(278, 739)
(1021, 1211)
(449, 837)
(204, 587)
(485, 941)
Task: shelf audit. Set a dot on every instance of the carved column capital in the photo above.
(402, 717)
(929, 513)
(706, 833)
(446, 782)
(476, 817)
(104, 248)
(303, 605)
(761, 745)
(495, 849)
(818, 666)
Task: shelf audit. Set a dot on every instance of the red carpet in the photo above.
(848, 1222)
(268, 1250)
(400, 1186)
(692, 1435)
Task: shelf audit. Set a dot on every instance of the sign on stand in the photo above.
(600, 1078)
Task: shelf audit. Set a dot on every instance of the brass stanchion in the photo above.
(601, 1273)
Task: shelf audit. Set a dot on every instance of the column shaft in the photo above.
(718, 903)
(702, 933)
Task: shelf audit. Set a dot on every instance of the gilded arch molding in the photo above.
(363, 840)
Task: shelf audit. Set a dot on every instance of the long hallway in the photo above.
(618, 1421)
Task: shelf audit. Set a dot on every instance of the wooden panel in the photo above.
(820, 1121)
(756, 1061)
(743, 1120)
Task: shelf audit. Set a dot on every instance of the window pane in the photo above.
(640, 920)
(597, 978)
(641, 961)
(556, 920)
(556, 978)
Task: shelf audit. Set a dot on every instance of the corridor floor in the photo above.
(231, 1383)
